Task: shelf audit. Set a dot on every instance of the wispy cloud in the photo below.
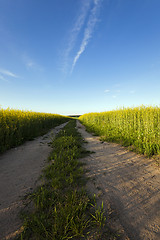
(88, 31)
(7, 73)
(132, 92)
(3, 78)
(30, 63)
(107, 91)
(75, 31)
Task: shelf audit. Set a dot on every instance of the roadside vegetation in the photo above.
(138, 128)
(17, 126)
(62, 209)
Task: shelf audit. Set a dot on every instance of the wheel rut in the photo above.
(129, 186)
(20, 169)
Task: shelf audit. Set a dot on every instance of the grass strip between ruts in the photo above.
(62, 209)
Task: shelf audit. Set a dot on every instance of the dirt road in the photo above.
(20, 169)
(128, 184)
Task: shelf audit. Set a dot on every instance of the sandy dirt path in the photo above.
(20, 169)
(128, 184)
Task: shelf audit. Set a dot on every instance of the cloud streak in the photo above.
(30, 64)
(88, 31)
(7, 73)
(132, 92)
(75, 31)
(107, 91)
(3, 79)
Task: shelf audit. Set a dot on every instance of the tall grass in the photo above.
(17, 126)
(137, 127)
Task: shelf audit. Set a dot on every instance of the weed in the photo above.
(98, 217)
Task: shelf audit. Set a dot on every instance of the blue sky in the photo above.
(79, 56)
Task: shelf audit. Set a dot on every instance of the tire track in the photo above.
(129, 186)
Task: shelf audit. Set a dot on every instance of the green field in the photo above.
(17, 126)
(62, 208)
(136, 127)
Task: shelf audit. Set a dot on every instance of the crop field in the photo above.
(63, 208)
(136, 127)
(17, 126)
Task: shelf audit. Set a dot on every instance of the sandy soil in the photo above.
(20, 169)
(129, 186)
